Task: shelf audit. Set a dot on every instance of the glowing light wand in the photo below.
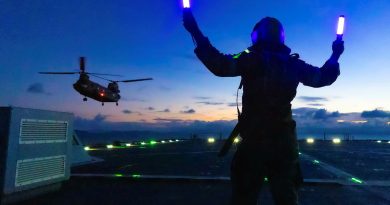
(340, 27)
(186, 4)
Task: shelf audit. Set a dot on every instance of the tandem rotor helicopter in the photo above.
(93, 90)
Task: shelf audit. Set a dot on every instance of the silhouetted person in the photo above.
(270, 77)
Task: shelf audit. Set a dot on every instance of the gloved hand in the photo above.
(338, 47)
(189, 22)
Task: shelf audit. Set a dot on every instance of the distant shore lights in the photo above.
(310, 140)
(186, 4)
(336, 140)
(211, 140)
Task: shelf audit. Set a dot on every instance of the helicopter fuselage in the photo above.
(95, 91)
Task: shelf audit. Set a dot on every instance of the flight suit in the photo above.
(270, 76)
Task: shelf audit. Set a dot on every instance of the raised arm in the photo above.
(219, 64)
(326, 75)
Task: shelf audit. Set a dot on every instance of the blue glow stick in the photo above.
(186, 4)
(340, 27)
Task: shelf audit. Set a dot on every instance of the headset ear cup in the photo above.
(254, 37)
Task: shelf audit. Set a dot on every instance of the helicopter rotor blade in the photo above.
(69, 73)
(59, 73)
(135, 80)
(94, 74)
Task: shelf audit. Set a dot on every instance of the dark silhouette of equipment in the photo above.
(93, 90)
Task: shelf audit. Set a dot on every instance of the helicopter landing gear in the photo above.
(85, 99)
(117, 103)
(102, 103)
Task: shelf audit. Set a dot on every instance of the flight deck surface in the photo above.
(189, 172)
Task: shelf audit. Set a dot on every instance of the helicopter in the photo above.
(93, 90)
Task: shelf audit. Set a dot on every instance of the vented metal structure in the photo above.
(34, 131)
(30, 171)
(35, 148)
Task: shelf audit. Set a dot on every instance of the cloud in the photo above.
(167, 120)
(312, 99)
(210, 103)
(100, 118)
(128, 112)
(322, 114)
(37, 88)
(233, 104)
(150, 108)
(310, 114)
(316, 104)
(310, 121)
(184, 127)
(202, 98)
(375, 114)
(190, 111)
(165, 110)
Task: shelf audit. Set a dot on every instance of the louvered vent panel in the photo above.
(36, 170)
(42, 131)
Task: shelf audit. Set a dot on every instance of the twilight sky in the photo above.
(140, 38)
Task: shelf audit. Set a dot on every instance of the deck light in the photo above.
(356, 180)
(110, 146)
(128, 144)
